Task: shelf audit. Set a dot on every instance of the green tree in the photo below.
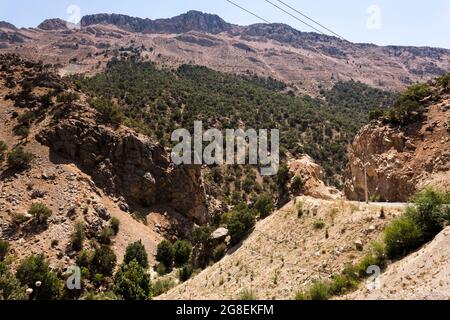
(136, 251)
(182, 252)
(132, 282)
(10, 287)
(78, 236)
(35, 269)
(264, 205)
(103, 261)
(165, 253)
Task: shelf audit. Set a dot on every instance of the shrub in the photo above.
(239, 221)
(200, 235)
(444, 81)
(247, 295)
(40, 213)
(219, 252)
(319, 291)
(264, 205)
(106, 235)
(297, 184)
(185, 272)
(419, 224)
(109, 112)
(182, 252)
(78, 236)
(401, 237)
(67, 98)
(319, 224)
(299, 208)
(84, 259)
(115, 224)
(4, 248)
(132, 282)
(165, 254)
(10, 287)
(136, 251)
(375, 114)
(19, 159)
(161, 286)
(103, 261)
(35, 268)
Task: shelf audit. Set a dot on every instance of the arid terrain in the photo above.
(86, 177)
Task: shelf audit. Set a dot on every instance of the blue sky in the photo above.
(402, 22)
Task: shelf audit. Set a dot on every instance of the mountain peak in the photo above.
(7, 25)
(190, 21)
(53, 24)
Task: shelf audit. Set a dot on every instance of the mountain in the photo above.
(190, 21)
(7, 25)
(310, 62)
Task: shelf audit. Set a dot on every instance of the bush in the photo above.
(161, 286)
(319, 224)
(103, 261)
(35, 268)
(165, 254)
(4, 248)
(239, 221)
(84, 259)
(420, 224)
(67, 98)
(132, 282)
(182, 252)
(110, 113)
(297, 184)
(40, 213)
(78, 236)
(185, 272)
(106, 235)
(19, 159)
(247, 295)
(219, 252)
(444, 81)
(115, 224)
(264, 205)
(136, 251)
(375, 114)
(10, 287)
(401, 237)
(319, 291)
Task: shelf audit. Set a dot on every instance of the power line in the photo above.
(295, 17)
(248, 11)
(304, 15)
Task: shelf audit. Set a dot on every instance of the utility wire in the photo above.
(248, 11)
(295, 17)
(304, 15)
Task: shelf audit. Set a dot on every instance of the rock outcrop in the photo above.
(311, 176)
(53, 24)
(125, 163)
(190, 21)
(401, 160)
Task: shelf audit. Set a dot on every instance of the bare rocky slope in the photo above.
(308, 61)
(286, 252)
(401, 160)
(84, 170)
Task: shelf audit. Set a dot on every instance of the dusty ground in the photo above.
(286, 253)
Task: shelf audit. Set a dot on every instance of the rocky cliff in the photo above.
(126, 163)
(190, 21)
(401, 160)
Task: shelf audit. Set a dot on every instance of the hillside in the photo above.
(406, 149)
(308, 61)
(286, 252)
